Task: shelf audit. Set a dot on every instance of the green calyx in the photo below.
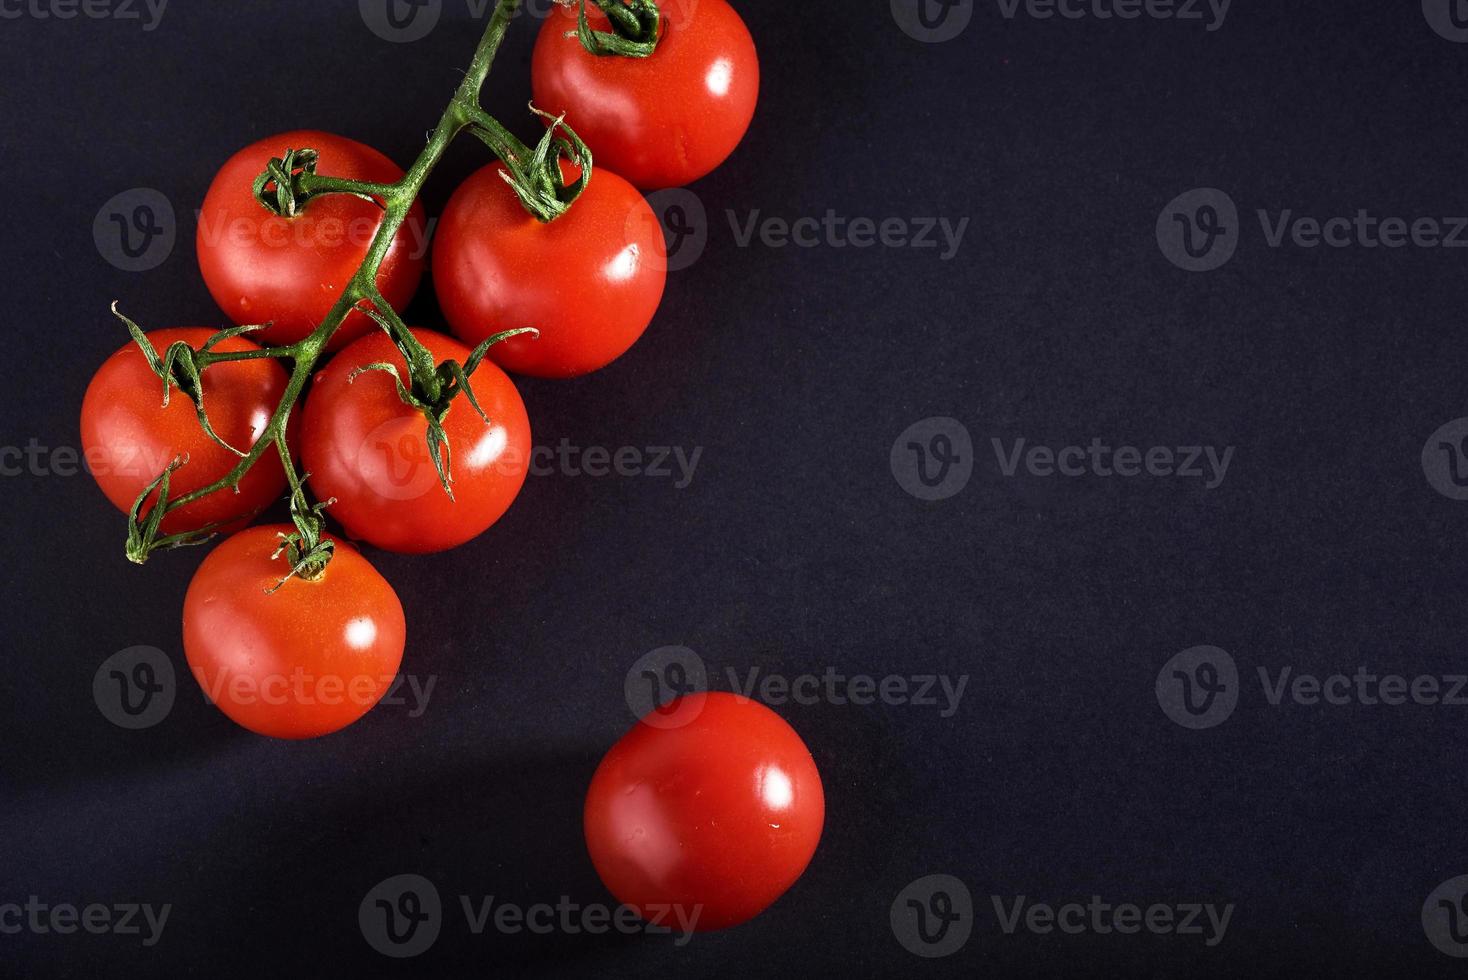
(634, 33)
(535, 175)
(290, 181)
(434, 400)
(286, 196)
(180, 366)
(305, 548)
(183, 367)
(143, 532)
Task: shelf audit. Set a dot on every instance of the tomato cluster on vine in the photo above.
(549, 263)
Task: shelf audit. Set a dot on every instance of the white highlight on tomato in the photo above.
(775, 788)
(361, 633)
(720, 74)
(624, 266)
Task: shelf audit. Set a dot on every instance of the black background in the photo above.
(794, 548)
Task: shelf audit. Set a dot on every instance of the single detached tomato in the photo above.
(129, 436)
(710, 808)
(590, 280)
(660, 121)
(362, 445)
(290, 271)
(305, 660)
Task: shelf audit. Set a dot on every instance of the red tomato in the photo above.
(715, 814)
(661, 121)
(362, 445)
(305, 660)
(129, 436)
(290, 271)
(589, 280)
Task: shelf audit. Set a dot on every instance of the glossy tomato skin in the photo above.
(711, 805)
(129, 436)
(362, 445)
(590, 280)
(290, 271)
(661, 121)
(304, 661)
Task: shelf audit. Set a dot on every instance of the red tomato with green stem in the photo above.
(664, 120)
(261, 267)
(711, 805)
(590, 280)
(298, 661)
(362, 445)
(129, 436)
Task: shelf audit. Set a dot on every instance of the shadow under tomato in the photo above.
(502, 830)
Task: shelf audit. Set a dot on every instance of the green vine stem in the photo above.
(288, 185)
